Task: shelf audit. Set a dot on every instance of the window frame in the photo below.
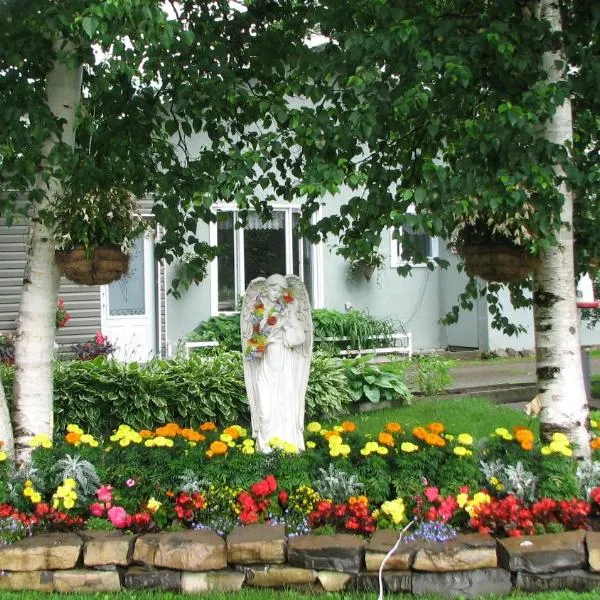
(238, 239)
(396, 259)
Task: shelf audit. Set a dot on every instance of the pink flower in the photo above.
(97, 509)
(118, 516)
(432, 494)
(130, 483)
(104, 493)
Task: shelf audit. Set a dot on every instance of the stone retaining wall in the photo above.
(261, 556)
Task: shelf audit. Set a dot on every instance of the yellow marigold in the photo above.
(311, 445)
(503, 433)
(436, 427)
(419, 432)
(348, 426)
(72, 428)
(334, 440)
(208, 426)
(561, 438)
(382, 450)
(393, 427)
(225, 437)
(338, 428)
(339, 450)
(330, 434)
(73, 438)
(3, 456)
(153, 504)
(387, 439)
(546, 450)
(408, 447)
(462, 499)
(465, 439)
(593, 424)
(218, 448)
(313, 427)
(460, 451)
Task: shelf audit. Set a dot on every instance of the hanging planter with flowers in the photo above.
(494, 251)
(93, 233)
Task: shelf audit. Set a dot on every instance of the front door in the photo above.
(128, 306)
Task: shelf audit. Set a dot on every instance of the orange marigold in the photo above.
(146, 434)
(387, 439)
(527, 445)
(169, 430)
(330, 434)
(595, 444)
(419, 432)
(72, 438)
(523, 435)
(218, 448)
(348, 426)
(358, 500)
(191, 435)
(208, 426)
(436, 428)
(433, 439)
(393, 427)
(233, 431)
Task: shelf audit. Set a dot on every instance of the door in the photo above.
(129, 306)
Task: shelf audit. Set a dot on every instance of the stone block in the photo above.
(337, 552)
(111, 549)
(141, 578)
(183, 550)
(465, 584)
(381, 543)
(38, 581)
(543, 553)
(592, 541)
(334, 581)
(257, 544)
(466, 552)
(394, 582)
(47, 551)
(574, 579)
(79, 580)
(212, 581)
(278, 576)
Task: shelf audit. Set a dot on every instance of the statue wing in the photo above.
(304, 353)
(254, 290)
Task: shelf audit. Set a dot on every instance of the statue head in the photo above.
(275, 285)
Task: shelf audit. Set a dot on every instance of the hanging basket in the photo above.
(498, 263)
(106, 264)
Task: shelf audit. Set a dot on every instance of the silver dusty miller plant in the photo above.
(336, 484)
(588, 476)
(189, 482)
(79, 469)
(515, 478)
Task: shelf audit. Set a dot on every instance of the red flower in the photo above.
(283, 498)
(271, 320)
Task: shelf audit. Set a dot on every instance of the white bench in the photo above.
(402, 345)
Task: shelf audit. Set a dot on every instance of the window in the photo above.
(258, 250)
(422, 242)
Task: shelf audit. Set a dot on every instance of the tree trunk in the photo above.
(6, 433)
(34, 345)
(559, 367)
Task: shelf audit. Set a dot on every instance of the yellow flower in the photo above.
(335, 440)
(408, 447)
(148, 443)
(35, 498)
(153, 504)
(460, 451)
(69, 482)
(338, 428)
(464, 439)
(3, 456)
(68, 503)
(290, 448)
(561, 438)
(449, 437)
(40, 440)
(72, 428)
(593, 424)
(124, 442)
(225, 437)
(503, 433)
(462, 499)
(394, 509)
(247, 449)
(311, 445)
(546, 450)
(557, 446)
(248, 442)
(314, 427)
(28, 492)
(382, 450)
(566, 451)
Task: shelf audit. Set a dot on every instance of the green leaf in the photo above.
(90, 25)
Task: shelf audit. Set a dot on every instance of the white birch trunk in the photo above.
(32, 410)
(6, 433)
(559, 367)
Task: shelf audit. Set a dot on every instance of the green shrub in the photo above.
(366, 381)
(433, 374)
(99, 395)
(355, 325)
(224, 329)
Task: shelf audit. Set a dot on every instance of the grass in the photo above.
(269, 594)
(477, 416)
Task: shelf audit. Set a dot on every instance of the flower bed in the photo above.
(508, 484)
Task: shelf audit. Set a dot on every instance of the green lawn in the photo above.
(476, 416)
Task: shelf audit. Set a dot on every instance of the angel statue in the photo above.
(276, 327)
